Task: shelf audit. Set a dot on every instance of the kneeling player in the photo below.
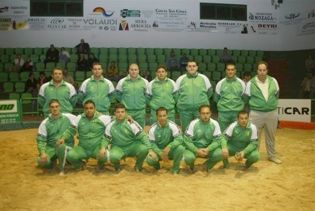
(49, 133)
(90, 127)
(203, 139)
(166, 141)
(242, 141)
(127, 139)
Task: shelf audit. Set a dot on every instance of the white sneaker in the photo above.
(275, 160)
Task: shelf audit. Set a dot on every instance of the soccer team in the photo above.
(71, 139)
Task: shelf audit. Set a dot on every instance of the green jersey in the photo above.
(167, 136)
(257, 100)
(123, 133)
(242, 138)
(90, 131)
(65, 93)
(193, 91)
(229, 94)
(101, 92)
(203, 135)
(162, 93)
(132, 93)
(51, 130)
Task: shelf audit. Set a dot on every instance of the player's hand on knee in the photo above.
(60, 141)
(202, 152)
(43, 158)
(103, 152)
(225, 153)
(165, 153)
(239, 156)
(152, 155)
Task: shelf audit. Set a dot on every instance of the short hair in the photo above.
(119, 106)
(204, 106)
(133, 64)
(161, 66)
(262, 62)
(57, 68)
(96, 63)
(241, 113)
(53, 101)
(161, 109)
(89, 102)
(247, 73)
(191, 60)
(230, 63)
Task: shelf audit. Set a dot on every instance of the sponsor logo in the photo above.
(292, 16)
(57, 23)
(155, 24)
(94, 21)
(267, 26)
(170, 12)
(74, 23)
(208, 25)
(311, 14)
(5, 23)
(294, 110)
(6, 107)
(140, 25)
(261, 17)
(4, 9)
(19, 10)
(309, 26)
(101, 10)
(123, 26)
(130, 13)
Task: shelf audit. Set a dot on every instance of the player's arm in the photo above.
(189, 144)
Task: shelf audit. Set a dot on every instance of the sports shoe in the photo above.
(275, 160)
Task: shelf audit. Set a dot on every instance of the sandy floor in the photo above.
(266, 186)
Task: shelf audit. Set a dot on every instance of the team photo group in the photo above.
(244, 110)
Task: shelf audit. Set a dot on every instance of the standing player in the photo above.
(49, 133)
(58, 89)
(166, 141)
(229, 97)
(161, 91)
(127, 139)
(98, 89)
(203, 139)
(90, 127)
(132, 92)
(193, 90)
(242, 140)
(263, 94)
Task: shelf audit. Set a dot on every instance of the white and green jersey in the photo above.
(101, 92)
(229, 94)
(51, 130)
(90, 131)
(241, 138)
(167, 136)
(162, 93)
(193, 91)
(132, 93)
(257, 101)
(124, 133)
(203, 135)
(65, 93)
